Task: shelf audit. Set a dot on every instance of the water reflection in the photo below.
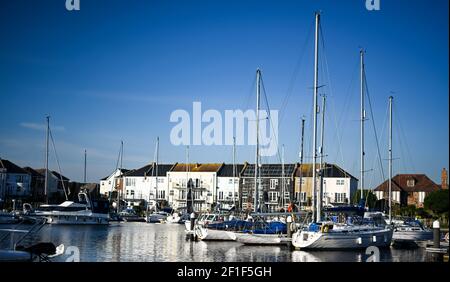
(167, 242)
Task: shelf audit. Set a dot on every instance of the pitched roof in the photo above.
(330, 170)
(211, 167)
(150, 170)
(56, 174)
(270, 170)
(227, 170)
(11, 167)
(400, 183)
(123, 171)
(33, 172)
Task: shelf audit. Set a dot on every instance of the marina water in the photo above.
(144, 242)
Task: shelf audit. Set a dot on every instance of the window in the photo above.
(220, 195)
(230, 194)
(230, 181)
(287, 181)
(339, 197)
(410, 182)
(160, 180)
(130, 182)
(197, 183)
(340, 182)
(421, 197)
(171, 192)
(273, 183)
(273, 196)
(161, 194)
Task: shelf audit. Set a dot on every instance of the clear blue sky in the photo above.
(117, 69)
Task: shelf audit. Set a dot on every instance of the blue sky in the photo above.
(115, 70)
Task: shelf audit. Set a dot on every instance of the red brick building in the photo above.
(407, 189)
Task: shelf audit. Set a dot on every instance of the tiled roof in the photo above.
(330, 170)
(270, 170)
(210, 167)
(33, 172)
(227, 170)
(56, 174)
(150, 170)
(11, 167)
(400, 183)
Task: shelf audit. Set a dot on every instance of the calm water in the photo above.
(166, 242)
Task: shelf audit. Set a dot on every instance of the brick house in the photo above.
(407, 189)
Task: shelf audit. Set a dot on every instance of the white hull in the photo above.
(207, 234)
(341, 240)
(75, 218)
(261, 239)
(412, 236)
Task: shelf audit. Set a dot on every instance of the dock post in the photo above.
(436, 234)
(289, 230)
(192, 217)
(435, 253)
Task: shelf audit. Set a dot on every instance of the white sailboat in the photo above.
(329, 235)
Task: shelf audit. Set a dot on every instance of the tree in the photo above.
(437, 202)
(369, 197)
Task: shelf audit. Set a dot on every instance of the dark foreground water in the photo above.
(146, 242)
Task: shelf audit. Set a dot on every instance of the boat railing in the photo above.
(27, 233)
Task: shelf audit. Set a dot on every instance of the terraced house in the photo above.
(276, 186)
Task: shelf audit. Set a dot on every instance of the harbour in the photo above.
(138, 242)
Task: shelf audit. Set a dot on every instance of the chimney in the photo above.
(444, 177)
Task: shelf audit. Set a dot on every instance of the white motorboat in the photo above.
(327, 235)
(411, 231)
(85, 212)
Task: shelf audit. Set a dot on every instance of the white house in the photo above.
(14, 182)
(110, 183)
(338, 185)
(148, 183)
(204, 179)
(228, 184)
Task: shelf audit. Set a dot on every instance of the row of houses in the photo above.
(25, 184)
(214, 184)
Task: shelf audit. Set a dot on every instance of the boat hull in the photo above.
(261, 239)
(75, 219)
(340, 240)
(412, 236)
(207, 234)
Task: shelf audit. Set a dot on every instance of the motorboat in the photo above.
(83, 212)
(157, 217)
(411, 231)
(129, 215)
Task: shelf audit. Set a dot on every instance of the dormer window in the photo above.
(410, 182)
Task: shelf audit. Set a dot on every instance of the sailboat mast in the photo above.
(363, 114)
(256, 196)
(283, 186)
(301, 164)
(156, 171)
(46, 159)
(234, 172)
(390, 157)
(316, 77)
(321, 152)
(85, 157)
(187, 175)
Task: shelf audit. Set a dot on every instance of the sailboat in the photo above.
(85, 211)
(328, 234)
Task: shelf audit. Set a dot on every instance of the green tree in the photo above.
(437, 202)
(369, 197)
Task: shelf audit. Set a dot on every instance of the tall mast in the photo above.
(85, 157)
(46, 159)
(390, 157)
(187, 175)
(234, 172)
(316, 77)
(363, 114)
(283, 186)
(121, 177)
(321, 152)
(256, 196)
(156, 171)
(301, 163)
